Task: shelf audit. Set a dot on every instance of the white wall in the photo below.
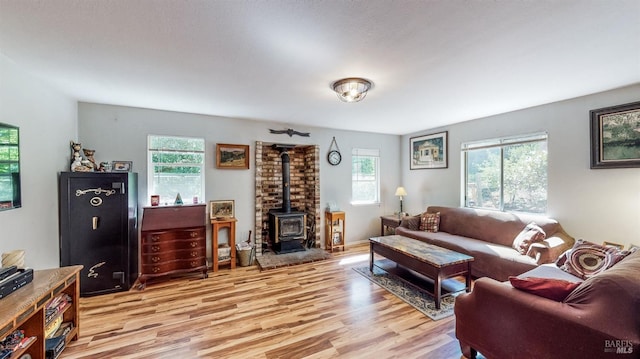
(47, 121)
(597, 205)
(120, 133)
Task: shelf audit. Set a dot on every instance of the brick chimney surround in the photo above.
(304, 189)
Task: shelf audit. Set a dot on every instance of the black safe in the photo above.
(99, 229)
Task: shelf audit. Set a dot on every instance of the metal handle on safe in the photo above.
(95, 223)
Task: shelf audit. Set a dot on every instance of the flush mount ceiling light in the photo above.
(352, 89)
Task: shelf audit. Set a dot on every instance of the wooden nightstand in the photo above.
(389, 222)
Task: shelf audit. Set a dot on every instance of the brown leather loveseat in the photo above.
(488, 236)
(598, 319)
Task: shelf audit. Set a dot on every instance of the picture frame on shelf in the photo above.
(615, 136)
(229, 156)
(222, 209)
(121, 166)
(429, 151)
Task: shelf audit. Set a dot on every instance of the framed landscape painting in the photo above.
(615, 136)
(429, 151)
(232, 156)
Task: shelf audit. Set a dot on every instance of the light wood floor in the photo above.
(316, 310)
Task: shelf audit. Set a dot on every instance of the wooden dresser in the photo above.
(173, 240)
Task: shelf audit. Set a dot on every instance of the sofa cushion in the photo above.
(587, 259)
(531, 233)
(492, 226)
(554, 289)
(430, 222)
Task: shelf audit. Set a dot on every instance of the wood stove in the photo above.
(287, 230)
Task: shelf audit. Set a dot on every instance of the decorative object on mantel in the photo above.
(401, 192)
(290, 132)
(77, 164)
(429, 151)
(334, 157)
(352, 89)
(615, 136)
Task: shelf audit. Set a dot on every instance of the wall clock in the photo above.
(334, 157)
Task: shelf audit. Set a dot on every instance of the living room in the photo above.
(593, 204)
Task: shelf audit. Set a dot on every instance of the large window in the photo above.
(507, 174)
(365, 176)
(176, 165)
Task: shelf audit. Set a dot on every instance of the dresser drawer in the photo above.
(174, 265)
(184, 254)
(165, 236)
(173, 246)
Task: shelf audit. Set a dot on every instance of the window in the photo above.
(9, 167)
(365, 176)
(176, 165)
(507, 174)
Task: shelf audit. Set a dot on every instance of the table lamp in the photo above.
(400, 192)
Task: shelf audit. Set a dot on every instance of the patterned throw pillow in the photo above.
(587, 259)
(430, 222)
(532, 233)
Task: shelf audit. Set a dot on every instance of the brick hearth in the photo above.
(305, 187)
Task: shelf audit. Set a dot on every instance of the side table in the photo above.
(216, 226)
(389, 222)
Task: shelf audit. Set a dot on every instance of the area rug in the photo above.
(272, 260)
(418, 299)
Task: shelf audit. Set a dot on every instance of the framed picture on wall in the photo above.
(429, 151)
(615, 136)
(232, 156)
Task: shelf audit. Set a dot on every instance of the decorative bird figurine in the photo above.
(290, 132)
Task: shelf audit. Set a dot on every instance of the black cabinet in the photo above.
(99, 229)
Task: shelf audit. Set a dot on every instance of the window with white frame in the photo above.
(175, 165)
(365, 176)
(507, 174)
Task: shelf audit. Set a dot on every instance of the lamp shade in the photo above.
(400, 191)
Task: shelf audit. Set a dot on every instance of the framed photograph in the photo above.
(121, 166)
(221, 209)
(429, 151)
(232, 156)
(615, 136)
(611, 244)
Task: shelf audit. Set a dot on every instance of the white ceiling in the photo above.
(432, 63)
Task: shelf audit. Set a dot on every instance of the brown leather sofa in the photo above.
(488, 237)
(598, 319)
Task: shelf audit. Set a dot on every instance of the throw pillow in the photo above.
(551, 288)
(531, 233)
(430, 222)
(587, 259)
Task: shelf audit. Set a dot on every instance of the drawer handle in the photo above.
(194, 264)
(194, 244)
(155, 259)
(155, 248)
(194, 254)
(155, 238)
(193, 234)
(156, 269)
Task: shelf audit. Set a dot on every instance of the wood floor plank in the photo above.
(315, 310)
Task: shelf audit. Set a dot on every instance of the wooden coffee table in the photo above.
(435, 263)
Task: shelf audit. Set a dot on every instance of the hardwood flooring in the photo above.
(315, 310)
